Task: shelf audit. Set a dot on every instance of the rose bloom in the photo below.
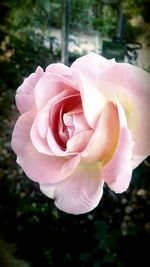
(81, 126)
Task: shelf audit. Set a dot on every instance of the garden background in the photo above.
(33, 232)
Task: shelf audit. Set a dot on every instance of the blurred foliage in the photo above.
(136, 7)
(131, 32)
(116, 233)
(106, 22)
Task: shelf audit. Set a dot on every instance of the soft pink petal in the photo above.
(132, 86)
(46, 126)
(40, 128)
(80, 192)
(58, 68)
(104, 139)
(70, 166)
(92, 100)
(68, 102)
(37, 166)
(91, 66)
(79, 122)
(25, 94)
(78, 142)
(75, 121)
(53, 144)
(50, 86)
(47, 115)
(117, 172)
(39, 142)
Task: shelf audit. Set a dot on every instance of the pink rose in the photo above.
(81, 126)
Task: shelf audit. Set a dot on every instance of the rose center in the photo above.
(68, 125)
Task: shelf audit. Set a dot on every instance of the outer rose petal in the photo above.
(37, 166)
(78, 194)
(50, 86)
(132, 86)
(58, 68)
(91, 66)
(117, 171)
(133, 90)
(39, 142)
(25, 94)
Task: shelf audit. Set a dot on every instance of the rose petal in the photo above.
(70, 165)
(92, 100)
(37, 166)
(41, 124)
(104, 139)
(39, 142)
(91, 66)
(45, 129)
(50, 86)
(53, 144)
(68, 102)
(78, 142)
(117, 171)
(132, 86)
(80, 123)
(78, 194)
(25, 93)
(58, 68)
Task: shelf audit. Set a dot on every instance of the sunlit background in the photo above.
(33, 233)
